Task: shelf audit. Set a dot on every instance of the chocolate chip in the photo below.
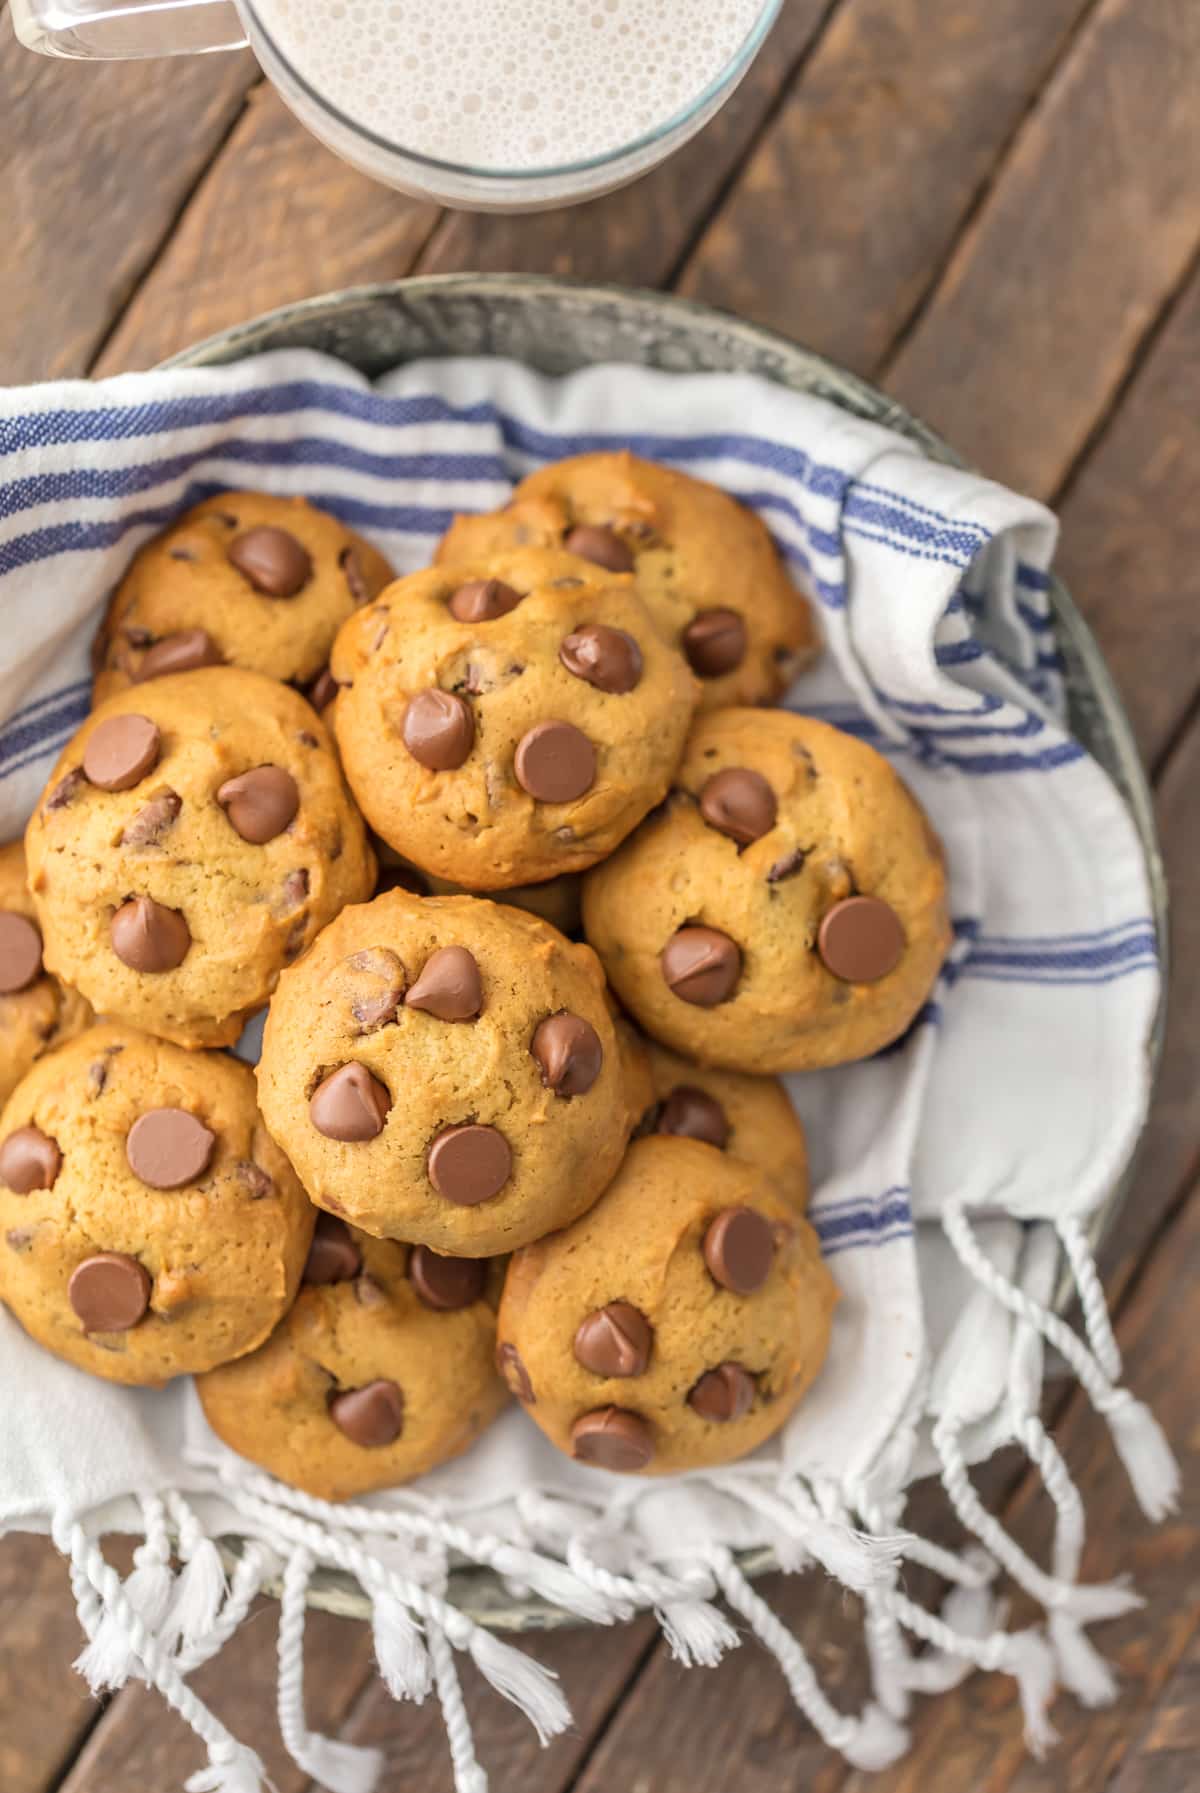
(333, 1256)
(353, 574)
(168, 1147)
(715, 642)
(701, 966)
(184, 651)
(483, 600)
(612, 1438)
(152, 821)
(448, 986)
(97, 1078)
(121, 751)
(323, 690)
(469, 1164)
(568, 1050)
(109, 1292)
(603, 547)
(555, 762)
(371, 1416)
(739, 803)
(29, 1159)
(738, 1249)
(66, 789)
(515, 1375)
(377, 988)
(260, 803)
(350, 1105)
(788, 866)
(724, 1393)
(257, 1182)
(274, 562)
(691, 1113)
(861, 939)
(445, 1283)
(607, 658)
(295, 890)
(614, 1340)
(20, 952)
(148, 937)
(438, 729)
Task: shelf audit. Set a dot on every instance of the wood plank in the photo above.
(96, 165)
(1091, 225)
(141, 1743)
(44, 1707)
(1165, 1755)
(277, 218)
(1131, 532)
(594, 1667)
(638, 234)
(854, 197)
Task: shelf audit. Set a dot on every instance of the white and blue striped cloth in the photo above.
(1022, 1085)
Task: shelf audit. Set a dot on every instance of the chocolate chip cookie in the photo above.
(504, 722)
(149, 1226)
(193, 838)
(246, 580)
(383, 1368)
(786, 909)
(705, 566)
(677, 1324)
(747, 1118)
(37, 1012)
(444, 1070)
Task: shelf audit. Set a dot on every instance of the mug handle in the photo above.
(94, 31)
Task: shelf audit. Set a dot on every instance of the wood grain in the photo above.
(97, 158)
(44, 1708)
(1165, 1755)
(849, 204)
(638, 234)
(594, 1667)
(278, 217)
(1092, 223)
(1131, 532)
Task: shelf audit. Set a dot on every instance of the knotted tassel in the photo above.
(400, 1650)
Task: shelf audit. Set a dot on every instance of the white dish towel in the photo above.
(949, 1171)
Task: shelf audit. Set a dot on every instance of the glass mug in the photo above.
(492, 105)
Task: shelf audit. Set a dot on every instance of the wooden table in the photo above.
(990, 206)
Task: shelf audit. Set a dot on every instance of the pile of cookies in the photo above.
(523, 1142)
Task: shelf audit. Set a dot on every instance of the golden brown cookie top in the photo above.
(505, 721)
(445, 1070)
(677, 1324)
(244, 579)
(382, 1369)
(747, 1118)
(193, 838)
(785, 909)
(704, 564)
(37, 1012)
(149, 1226)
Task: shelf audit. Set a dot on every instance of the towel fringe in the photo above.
(200, 1587)
(339, 1767)
(108, 1661)
(1140, 1442)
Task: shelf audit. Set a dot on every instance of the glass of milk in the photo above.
(494, 105)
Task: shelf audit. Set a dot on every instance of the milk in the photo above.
(510, 86)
